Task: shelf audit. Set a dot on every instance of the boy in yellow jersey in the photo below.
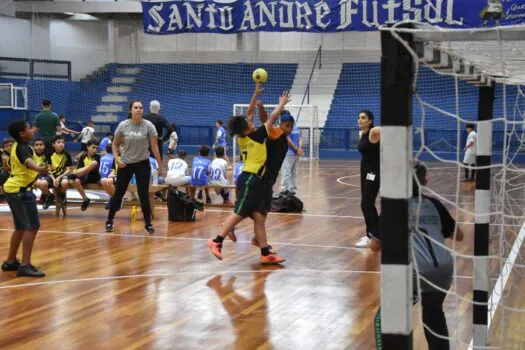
(250, 186)
(87, 171)
(61, 165)
(5, 151)
(5, 167)
(46, 198)
(22, 201)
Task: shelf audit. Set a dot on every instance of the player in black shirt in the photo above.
(160, 122)
(276, 149)
(369, 149)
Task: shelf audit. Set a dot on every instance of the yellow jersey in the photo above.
(59, 162)
(40, 159)
(253, 151)
(21, 177)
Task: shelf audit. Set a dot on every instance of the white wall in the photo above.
(84, 43)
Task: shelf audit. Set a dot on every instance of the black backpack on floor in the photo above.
(182, 207)
(287, 202)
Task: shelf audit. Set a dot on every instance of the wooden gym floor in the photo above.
(129, 290)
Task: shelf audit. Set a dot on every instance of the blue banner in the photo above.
(318, 16)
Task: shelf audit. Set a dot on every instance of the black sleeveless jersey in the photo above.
(369, 152)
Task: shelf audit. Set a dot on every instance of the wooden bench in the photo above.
(97, 202)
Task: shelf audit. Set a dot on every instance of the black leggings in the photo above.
(433, 318)
(142, 173)
(470, 168)
(369, 191)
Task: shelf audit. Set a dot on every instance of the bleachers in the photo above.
(195, 95)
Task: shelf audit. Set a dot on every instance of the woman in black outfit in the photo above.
(136, 135)
(369, 149)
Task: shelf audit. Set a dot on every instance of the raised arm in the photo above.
(250, 114)
(375, 135)
(276, 113)
(263, 116)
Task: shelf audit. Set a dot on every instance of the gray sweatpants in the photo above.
(289, 174)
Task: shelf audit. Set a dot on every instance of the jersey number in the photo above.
(217, 174)
(104, 168)
(197, 172)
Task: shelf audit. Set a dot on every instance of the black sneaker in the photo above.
(85, 204)
(49, 200)
(11, 266)
(29, 271)
(208, 201)
(199, 195)
(43, 198)
(149, 229)
(109, 226)
(108, 204)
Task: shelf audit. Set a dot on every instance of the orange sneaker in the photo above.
(271, 259)
(232, 236)
(215, 248)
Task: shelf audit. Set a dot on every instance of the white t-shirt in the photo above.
(87, 134)
(218, 172)
(62, 126)
(174, 138)
(176, 168)
(471, 138)
(470, 153)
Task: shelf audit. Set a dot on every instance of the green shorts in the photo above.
(251, 195)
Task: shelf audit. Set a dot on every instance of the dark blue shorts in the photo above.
(24, 210)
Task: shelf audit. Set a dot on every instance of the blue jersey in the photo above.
(199, 171)
(221, 137)
(237, 171)
(106, 162)
(103, 144)
(294, 137)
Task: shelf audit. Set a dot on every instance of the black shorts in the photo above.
(24, 210)
(268, 192)
(251, 195)
(87, 179)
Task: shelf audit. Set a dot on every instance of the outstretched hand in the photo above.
(258, 89)
(285, 98)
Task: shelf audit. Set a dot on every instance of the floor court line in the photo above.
(283, 269)
(190, 239)
(199, 272)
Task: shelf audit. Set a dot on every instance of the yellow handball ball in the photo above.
(260, 75)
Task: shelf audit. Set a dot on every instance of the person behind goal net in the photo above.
(434, 263)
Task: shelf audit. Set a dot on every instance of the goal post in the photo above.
(307, 119)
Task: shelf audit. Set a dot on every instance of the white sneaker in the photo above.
(364, 242)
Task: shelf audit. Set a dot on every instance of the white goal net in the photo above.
(307, 119)
(451, 66)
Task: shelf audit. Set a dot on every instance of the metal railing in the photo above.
(318, 58)
(10, 66)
